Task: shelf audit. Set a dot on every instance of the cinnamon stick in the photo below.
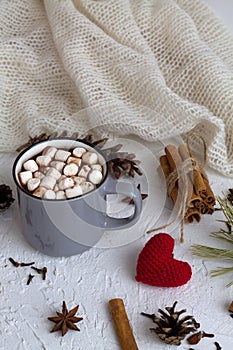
(199, 186)
(197, 203)
(189, 215)
(122, 326)
(175, 160)
(200, 182)
(166, 171)
(196, 176)
(209, 198)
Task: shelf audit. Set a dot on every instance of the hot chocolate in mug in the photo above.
(65, 227)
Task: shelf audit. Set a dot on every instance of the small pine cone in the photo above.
(170, 327)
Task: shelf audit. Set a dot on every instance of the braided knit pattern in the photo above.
(153, 68)
(157, 267)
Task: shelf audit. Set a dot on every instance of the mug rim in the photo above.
(66, 199)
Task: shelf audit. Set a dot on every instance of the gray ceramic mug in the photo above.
(70, 226)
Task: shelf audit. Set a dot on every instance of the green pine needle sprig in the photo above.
(224, 235)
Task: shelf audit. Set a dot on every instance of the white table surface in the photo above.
(98, 275)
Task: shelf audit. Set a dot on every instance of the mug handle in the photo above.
(128, 189)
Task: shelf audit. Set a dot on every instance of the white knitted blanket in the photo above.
(155, 68)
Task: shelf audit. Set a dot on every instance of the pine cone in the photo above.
(171, 329)
(6, 198)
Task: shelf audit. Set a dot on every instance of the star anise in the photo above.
(65, 320)
(6, 198)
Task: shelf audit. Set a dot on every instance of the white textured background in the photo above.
(98, 275)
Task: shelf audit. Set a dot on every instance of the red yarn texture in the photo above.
(157, 267)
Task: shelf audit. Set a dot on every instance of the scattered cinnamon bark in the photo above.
(122, 326)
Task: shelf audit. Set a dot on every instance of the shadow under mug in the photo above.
(70, 226)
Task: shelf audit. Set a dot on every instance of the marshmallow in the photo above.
(90, 158)
(74, 160)
(84, 171)
(49, 151)
(62, 155)
(30, 165)
(48, 182)
(24, 176)
(39, 192)
(60, 195)
(54, 173)
(95, 176)
(49, 194)
(78, 180)
(78, 151)
(96, 167)
(87, 186)
(56, 188)
(43, 160)
(44, 169)
(62, 178)
(66, 183)
(32, 184)
(39, 175)
(70, 169)
(57, 165)
(74, 192)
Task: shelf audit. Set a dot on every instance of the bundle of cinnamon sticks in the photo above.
(201, 199)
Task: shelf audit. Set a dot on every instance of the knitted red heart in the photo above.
(157, 267)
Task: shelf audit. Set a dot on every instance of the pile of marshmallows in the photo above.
(60, 174)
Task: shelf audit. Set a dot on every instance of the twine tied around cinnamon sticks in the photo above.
(187, 184)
